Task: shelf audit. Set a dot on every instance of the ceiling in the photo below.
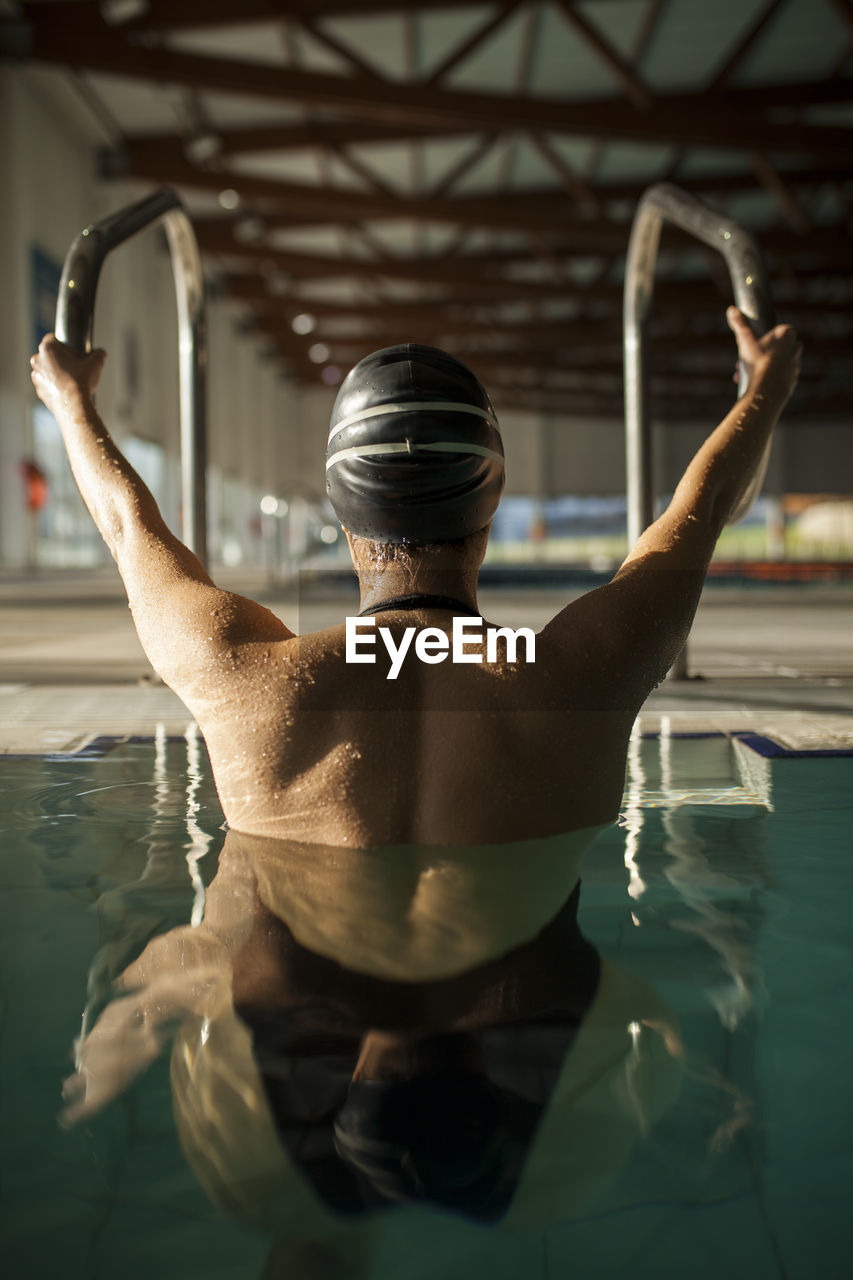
(364, 172)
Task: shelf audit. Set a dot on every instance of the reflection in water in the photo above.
(199, 840)
(705, 886)
(713, 838)
(357, 1030)
(695, 851)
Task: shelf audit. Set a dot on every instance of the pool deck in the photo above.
(775, 660)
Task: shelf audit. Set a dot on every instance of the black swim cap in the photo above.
(414, 451)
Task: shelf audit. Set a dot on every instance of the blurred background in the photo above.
(362, 173)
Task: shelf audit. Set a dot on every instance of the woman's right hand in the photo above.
(771, 363)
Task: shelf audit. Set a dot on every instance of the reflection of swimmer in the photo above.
(481, 752)
(415, 912)
(512, 1090)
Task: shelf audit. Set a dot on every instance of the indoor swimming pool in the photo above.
(716, 1143)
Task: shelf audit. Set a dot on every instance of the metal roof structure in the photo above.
(364, 172)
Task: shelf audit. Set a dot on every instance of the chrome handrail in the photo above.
(75, 310)
(665, 202)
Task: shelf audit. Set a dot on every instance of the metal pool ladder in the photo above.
(75, 310)
(665, 202)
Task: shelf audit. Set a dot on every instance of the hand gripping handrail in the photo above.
(664, 202)
(75, 309)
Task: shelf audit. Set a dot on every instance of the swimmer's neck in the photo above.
(440, 571)
(377, 587)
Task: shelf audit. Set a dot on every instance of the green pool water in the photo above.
(725, 887)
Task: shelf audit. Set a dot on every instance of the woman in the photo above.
(308, 746)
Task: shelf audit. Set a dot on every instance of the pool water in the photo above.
(725, 887)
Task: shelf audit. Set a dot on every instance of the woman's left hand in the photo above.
(62, 376)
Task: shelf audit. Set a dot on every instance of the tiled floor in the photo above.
(778, 661)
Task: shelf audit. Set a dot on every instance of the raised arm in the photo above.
(180, 615)
(723, 468)
(65, 382)
(642, 617)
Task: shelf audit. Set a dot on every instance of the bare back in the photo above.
(308, 747)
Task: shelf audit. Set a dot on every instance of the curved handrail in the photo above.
(75, 310)
(665, 202)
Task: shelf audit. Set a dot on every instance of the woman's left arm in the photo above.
(180, 614)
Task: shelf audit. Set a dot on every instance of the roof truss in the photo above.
(547, 246)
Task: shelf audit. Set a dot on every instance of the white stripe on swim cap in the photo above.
(414, 406)
(406, 446)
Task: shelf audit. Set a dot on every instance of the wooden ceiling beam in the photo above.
(525, 389)
(302, 267)
(708, 123)
(339, 206)
(527, 50)
(830, 243)
(586, 344)
(623, 71)
(284, 138)
(760, 97)
(529, 212)
(477, 316)
(165, 15)
(149, 152)
(774, 183)
(412, 44)
(464, 284)
(724, 183)
(710, 391)
(844, 9)
(173, 15)
(473, 42)
(793, 259)
(648, 29)
(293, 137)
(581, 192)
(846, 199)
(360, 169)
(468, 162)
(477, 312)
(746, 43)
(672, 413)
(577, 237)
(341, 50)
(720, 79)
(470, 334)
(586, 368)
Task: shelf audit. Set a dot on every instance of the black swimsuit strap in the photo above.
(418, 601)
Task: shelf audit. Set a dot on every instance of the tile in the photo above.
(667, 1241)
(811, 1220)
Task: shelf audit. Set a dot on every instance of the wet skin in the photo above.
(307, 747)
